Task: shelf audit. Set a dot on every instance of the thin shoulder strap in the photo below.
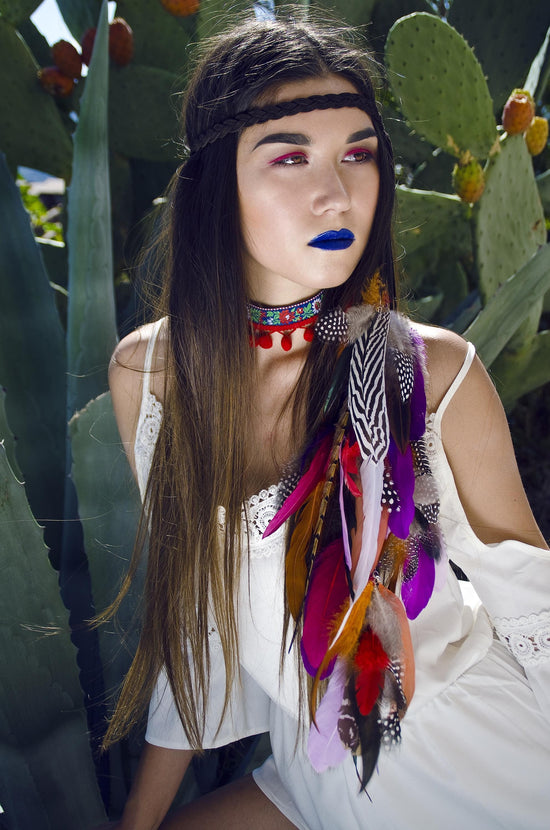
(149, 359)
(470, 354)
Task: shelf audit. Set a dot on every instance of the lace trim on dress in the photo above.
(260, 509)
(147, 435)
(527, 638)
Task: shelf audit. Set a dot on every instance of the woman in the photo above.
(279, 357)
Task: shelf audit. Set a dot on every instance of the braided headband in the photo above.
(259, 115)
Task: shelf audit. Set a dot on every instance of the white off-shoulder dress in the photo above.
(475, 748)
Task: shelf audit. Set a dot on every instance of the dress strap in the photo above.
(155, 329)
(449, 394)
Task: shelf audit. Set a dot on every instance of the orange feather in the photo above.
(347, 641)
(295, 564)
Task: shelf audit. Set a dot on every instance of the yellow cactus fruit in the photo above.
(537, 135)
(468, 179)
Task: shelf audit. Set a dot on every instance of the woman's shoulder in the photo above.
(143, 350)
(139, 358)
(446, 353)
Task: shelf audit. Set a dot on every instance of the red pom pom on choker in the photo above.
(285, 320)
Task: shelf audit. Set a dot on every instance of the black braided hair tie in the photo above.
(259, 115)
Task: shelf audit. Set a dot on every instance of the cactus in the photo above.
(440, 85)
(425, 57)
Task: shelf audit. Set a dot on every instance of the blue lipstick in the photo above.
(333, 240)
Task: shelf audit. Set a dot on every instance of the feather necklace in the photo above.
(363, 545)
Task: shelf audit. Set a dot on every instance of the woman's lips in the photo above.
(333, 240)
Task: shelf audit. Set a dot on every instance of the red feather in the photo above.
(371, 661)
(327, 592)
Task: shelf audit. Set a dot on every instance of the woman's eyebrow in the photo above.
(300, 138)
(283, 138)
(360, 135)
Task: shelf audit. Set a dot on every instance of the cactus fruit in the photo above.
(67, 59)
(181, 8)
(537, 135)
(518, 112)
(121, 42)
(55, 82)
(468, 179)
(87, 45)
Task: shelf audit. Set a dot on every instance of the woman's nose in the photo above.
(330, 192)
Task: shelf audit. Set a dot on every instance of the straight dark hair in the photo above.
(200, 459)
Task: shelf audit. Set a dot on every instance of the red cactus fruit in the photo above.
(121, 42)
(181, 8)
(67, 59)
(537, 135)
(518, 112)
(55, 82)
(469, 180)
(87, 45)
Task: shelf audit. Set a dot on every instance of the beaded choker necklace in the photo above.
(285, 320)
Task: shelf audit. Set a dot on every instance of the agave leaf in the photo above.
(91, 326)
(32, 356)
(43, 733)
(7, 439)
(514, 378)
(109, 508)
(510, 305)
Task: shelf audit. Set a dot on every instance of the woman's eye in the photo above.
(290, 158)
(360, 154)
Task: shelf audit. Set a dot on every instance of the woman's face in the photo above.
(307, 188)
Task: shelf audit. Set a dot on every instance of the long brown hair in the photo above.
(200, 459)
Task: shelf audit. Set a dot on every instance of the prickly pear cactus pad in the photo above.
(423, 217)
(440, 85)
(31, 130)
(509, 220)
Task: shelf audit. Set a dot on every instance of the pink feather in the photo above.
(315, 472)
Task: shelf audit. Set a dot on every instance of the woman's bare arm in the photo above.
(478, 445)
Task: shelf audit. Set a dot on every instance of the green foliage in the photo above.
(45, 222)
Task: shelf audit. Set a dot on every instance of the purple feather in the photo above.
(311, 477)
(402, 471)
(327, 592)
(324, 747)
(418, 404)
(416, 592)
